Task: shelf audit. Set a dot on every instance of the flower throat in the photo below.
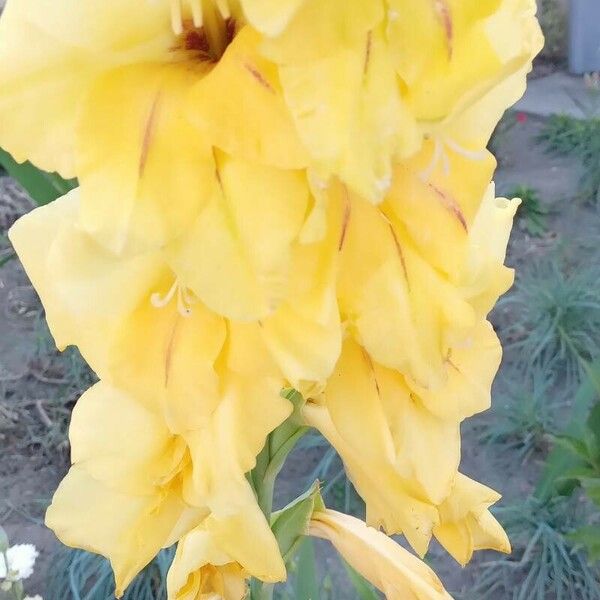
(208, 32)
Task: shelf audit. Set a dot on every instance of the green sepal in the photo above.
(290, 524)
(276, 450)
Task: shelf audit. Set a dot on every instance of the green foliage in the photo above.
(291, 523)
(79, 575)
(555, 312)
(42, 187)
(580, 138)
(561, 460)
(545, 564)
(532, 214)
(523, 416)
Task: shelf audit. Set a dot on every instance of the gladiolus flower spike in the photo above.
(285, 219)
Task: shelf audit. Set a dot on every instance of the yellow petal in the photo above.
(144, 173)
(330, 26)
(239, 108)
(470, 371)
(181, 345)
(270, 16)
(485, 277)
(436, 195)
(120, 442)
(368, 402)
(68, 268)
(128, 530)
(200, 567)
(348, 100)
(437, 81)
(388, 566)
(474, 120)
(399, 307)
(466, 524)
(393, 502)
(237, 255)
(67, 45)
(305, 334)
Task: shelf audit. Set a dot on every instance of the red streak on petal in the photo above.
(345, 220)
(148, 135)
(444, 13)
(451, 204)
(259, 77)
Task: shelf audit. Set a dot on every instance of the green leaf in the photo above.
(290, 524)
(561, 460)
(307, 586)
(592, 489)
(363, 588)
(593, 425)
(43, 187)
(573, 445)
(589, 538)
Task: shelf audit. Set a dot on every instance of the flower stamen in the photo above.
(185, 299)
(440, 155)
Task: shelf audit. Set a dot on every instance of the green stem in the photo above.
(268, 466)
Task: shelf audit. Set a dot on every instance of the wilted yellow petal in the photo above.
(388, 566)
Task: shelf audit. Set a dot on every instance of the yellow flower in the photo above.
(363, 92)
(208, 383)
(119, 89)
(388, 566)
(140, 301)
(402, 451)
(466, 524)
(202, 571)
(398, 302)
(132, 489)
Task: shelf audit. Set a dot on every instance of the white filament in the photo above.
(197, 14)
(440, 154)
(185, 299)
(176, 17)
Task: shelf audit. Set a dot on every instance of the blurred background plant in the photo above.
(555, 316)
(525, 415)
(580, 138)
(532, 214)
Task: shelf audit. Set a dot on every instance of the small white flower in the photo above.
(36, 597)
(21, 559)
